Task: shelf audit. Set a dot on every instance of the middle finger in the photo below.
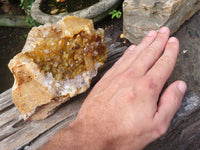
(151, 54)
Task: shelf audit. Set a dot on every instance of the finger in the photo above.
(113, 71)
(151, 54)
(132, 53)
(147, 40)
(163, 68)
(169, 103)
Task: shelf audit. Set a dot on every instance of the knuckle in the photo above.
(153, 50)
(147, 39)
(161, 129)
(150, 86)
(150, 83)
(157, 46)
(130, 54)
(128, 73)
(122, 78)
(131, 95)
(165, 59)
(161, 38)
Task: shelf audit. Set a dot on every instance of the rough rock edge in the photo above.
(57, 92)
(135, 32)
(95, 12)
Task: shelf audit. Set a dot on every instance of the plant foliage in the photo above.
(114, 13)
(26, 6)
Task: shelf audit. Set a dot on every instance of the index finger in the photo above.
(163, 68)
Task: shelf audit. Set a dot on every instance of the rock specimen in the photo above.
(144, 15)
(57, 62)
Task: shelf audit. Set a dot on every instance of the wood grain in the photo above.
(183, 134)
(16, 134)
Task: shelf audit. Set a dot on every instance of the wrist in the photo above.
(90, 136)
(78, 136)
(87, 136)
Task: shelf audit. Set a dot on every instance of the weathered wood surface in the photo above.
(16, 134)
(13, 21)
(183, 134)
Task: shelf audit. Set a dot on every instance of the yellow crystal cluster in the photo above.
(67, 57)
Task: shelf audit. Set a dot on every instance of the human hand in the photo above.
(125, 110)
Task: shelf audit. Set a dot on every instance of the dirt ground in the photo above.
(11, 43)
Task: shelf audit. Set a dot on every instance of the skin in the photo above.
(125, 110)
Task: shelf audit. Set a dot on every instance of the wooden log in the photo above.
(32, 135)
(184, 131)
(13, 21)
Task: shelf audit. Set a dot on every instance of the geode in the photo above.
(57, 62)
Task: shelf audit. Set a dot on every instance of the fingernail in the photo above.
(151, 33)
(132, 47)
(172, 40)
(163, 30)
(182, 86)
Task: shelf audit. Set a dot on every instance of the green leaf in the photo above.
(110, 13)
(114, 13)
(113, 16)
(118, 14)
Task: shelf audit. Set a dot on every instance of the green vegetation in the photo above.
(26, 6)
(23, 37)
(114, 13)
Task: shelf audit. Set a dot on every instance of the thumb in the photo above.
(169, 102)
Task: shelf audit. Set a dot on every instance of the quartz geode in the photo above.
(57, 62)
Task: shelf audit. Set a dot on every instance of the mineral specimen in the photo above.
(57, 62)
(144, 15)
